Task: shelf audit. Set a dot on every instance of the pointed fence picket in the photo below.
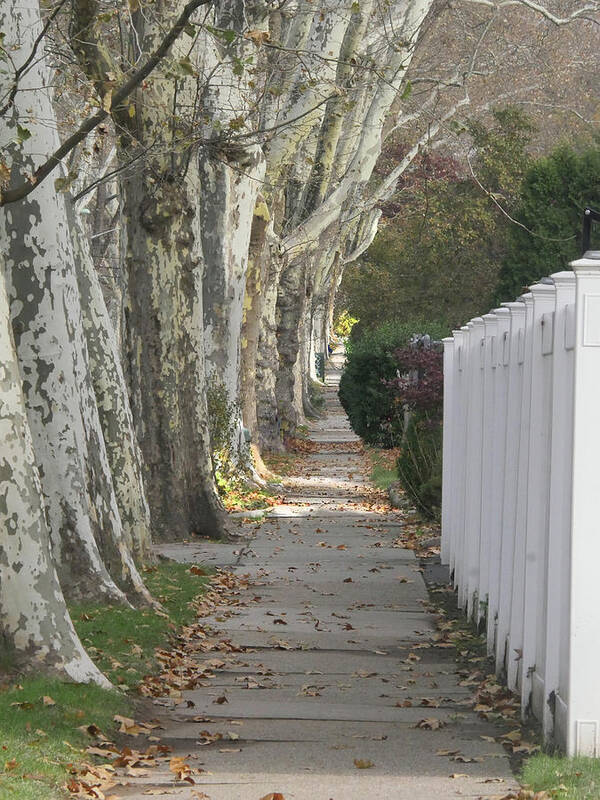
(521, 495)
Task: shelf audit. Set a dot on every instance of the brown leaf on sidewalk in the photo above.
(363, 763)
(220, 700)
(430, 724)
(273, 796)
(181, 770)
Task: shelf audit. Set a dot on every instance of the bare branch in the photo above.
(14, 195)
(578, 14)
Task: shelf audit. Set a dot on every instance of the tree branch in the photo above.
(42, 172)
(580, 13)
(29, 60)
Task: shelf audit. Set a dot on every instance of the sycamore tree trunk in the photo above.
(267, 361)
(164, 338)
(228, 200)
(231, 179)
(113, 405)
(349, 138)
(258, 263)
(292, 305)
(46, 315)
(36, 632)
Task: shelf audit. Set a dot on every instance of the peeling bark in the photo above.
(113, 406)
(35, 628)
(164, 339)
(46, 318)
(258, 259)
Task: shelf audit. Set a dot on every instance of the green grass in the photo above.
(122, 640)
(383, 468)
(38, 741)
(563, 778)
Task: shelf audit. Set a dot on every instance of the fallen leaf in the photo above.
(430, 724)
(273, 796)
(363, 763)
(458, 775)
(48, 701)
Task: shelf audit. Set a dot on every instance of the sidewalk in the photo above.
(334, 653)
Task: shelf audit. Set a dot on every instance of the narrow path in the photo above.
(335, 633)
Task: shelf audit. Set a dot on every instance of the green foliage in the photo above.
(563, 778)
(370, 405)
(420, 464)
(554, 193)
(344, 323)
(440, 255)
(41, 741)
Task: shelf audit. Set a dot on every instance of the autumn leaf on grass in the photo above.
(48, 701)
(430, 724)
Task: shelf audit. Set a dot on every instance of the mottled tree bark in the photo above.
(258, 262)
(164, 339)
(36, 631)
(46, 316)
(113, 406)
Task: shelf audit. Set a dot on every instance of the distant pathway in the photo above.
(334, 654)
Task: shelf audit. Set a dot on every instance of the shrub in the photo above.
(372, 407)
(419, 389)
(344, 323)
(554, 193)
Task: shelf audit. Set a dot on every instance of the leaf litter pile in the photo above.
(194, 656)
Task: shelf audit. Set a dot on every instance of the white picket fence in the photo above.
(521, 495)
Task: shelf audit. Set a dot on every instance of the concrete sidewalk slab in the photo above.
(312, 698)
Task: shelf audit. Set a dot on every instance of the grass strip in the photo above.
(563, 778)
(383, 467)
(43, 721)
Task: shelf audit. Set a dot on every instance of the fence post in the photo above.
(515, 643)
(538, 499)
(501, 356)
(559, 527)
(516, 336)
(459, 444)
(474, 463)
(583, 702)
(488, 470)
(448, 453)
